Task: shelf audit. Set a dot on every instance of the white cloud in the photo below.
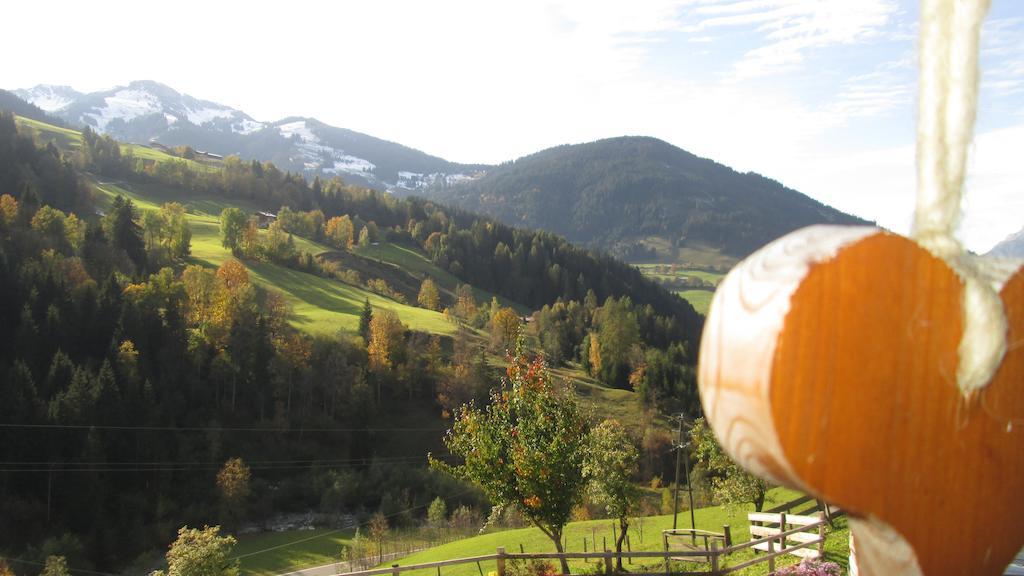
(791, 28)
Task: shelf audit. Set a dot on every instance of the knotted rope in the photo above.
(947, 99)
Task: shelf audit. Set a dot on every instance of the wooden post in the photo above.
(728, 535)
(604, 543)
(782, 528)
(665, 538)
(630, 549)
(821, 540)
(771, 559)
(501, 561)
(608, 563)
(714, 556)
(584, 545)
(521, 548)
(394, 570)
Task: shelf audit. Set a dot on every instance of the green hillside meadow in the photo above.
(320, 305)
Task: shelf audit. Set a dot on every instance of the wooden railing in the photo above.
(713, 557)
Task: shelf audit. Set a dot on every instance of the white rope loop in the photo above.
(947, 100)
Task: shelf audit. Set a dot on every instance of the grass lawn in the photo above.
(278, 552)
(320, 305)
(699, 299)
(600, 531)
(418, 264)
(271, 553)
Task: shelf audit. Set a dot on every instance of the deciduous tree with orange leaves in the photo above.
(526, 449)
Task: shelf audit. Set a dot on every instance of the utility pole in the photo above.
(679, 447)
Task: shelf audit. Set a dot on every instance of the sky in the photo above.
(816, 94)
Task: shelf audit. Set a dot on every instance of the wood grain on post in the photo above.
(828, 364)
(500, 560)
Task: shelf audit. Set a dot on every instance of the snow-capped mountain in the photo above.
(144, 110)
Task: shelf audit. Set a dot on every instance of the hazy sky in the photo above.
(818, 95)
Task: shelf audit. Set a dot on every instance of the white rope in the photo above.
(947, 100)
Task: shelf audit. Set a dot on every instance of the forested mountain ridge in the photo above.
(618, 193)
(145, 110)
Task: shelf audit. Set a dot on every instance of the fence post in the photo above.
(821, 539)
(608, 563)
(782, 528)
(728, 535)
(584, 544)
(714, 556)
(664, 538)
(629, 547)
(501, 562)
(771, 558)
(394, 570)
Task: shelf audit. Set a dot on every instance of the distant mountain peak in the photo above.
(144, 110)
(1011, 247)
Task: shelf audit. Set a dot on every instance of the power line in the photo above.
(214, 428)
(72, 570)
(206, 467)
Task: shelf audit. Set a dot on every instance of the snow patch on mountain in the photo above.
(49, 98)
(125, 105)
(298, 128)
(203, 115)
(351, 165)
(246, 126)
(418, 181)
(171, 119)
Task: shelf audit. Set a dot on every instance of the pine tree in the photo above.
(364, 320)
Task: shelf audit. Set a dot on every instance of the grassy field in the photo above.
(418, 264)
(320, 305)
(699, 299)
(274, 553)
(68, 139)
(600, 531)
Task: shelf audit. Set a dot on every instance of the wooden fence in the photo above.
(713, 557)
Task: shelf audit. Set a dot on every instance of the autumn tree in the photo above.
(465, 302)
(55, 566)
(386, 337)
(526, 449)
(339, 232)
(611, 464)
(232, 227)
(594, 354)
(505, 325)
(379, 531)
(429, 297)
(233, 485)
(200, 553)
(730, 482)
(8, 209)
